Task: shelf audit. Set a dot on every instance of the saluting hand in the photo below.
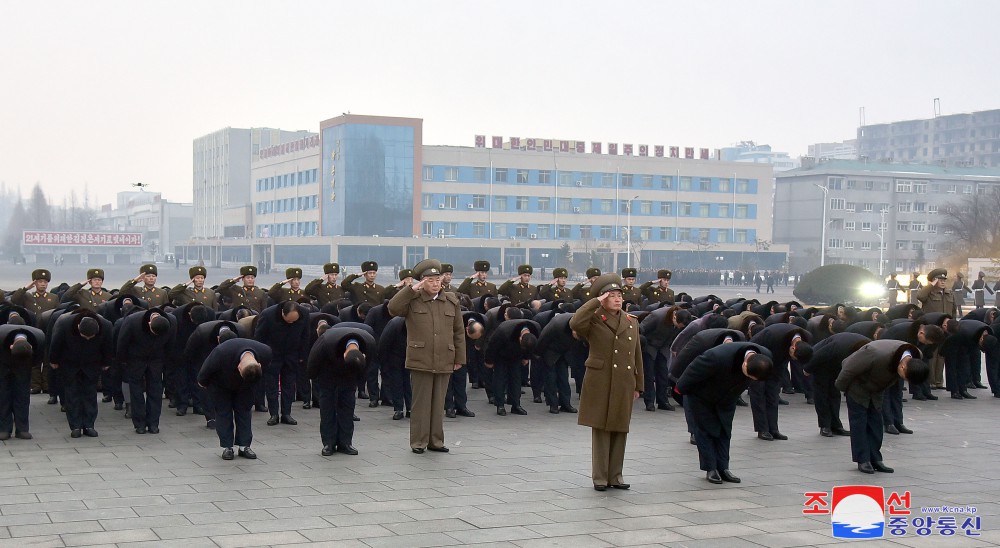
(417, 286)
(603, 297)
(29, 286)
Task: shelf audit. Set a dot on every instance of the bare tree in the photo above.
(971, 225)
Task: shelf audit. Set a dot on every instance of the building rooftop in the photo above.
(834, 167)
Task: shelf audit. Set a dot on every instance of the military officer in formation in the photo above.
(659, 291)
(150, 294)
(38, 302)
(93, 296)
(248, 295)
(519, 289)
(194, 291)
(367, 291)
(280, 294)
(583, 291)
(477, 285)
(326, 290)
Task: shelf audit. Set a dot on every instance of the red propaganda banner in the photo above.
(581, 147)
(563, 146)
(704, 154)
(689, 153)
(643, 150)
(497, 142)
(515, 143)
(627, 150)
(480, 141)
(547, 145)
(595, 147)
(106, 239)
(531, 143)
(612, 148)
(675, 152)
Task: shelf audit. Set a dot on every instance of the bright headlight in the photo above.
(871, 290)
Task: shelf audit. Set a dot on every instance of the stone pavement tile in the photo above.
(161, 490)
(335, 488)
(643, 536)
(497, 534)
(791, 538)
(801, 523)
(285, 524)
(32, 508)
(172, 543)
(347, 533)
(716, 530)
(428, 526)
(340, 498)
(215, 496)
(261, 503)
(108, 537)
(198, 531)
(60, 528)
(649, 522)
(387, 506)
(582, 514)
(27, 498)
(23, 489)
(87, 494)
(258, 539)
(418, 540)
(578, 541)
(507, 495)
(506, 520)
(36, 542)
(120, 502)
(24, 519)
(495, 490)
(572, 528)
(777, 512)
(351, 519)
(328, 509)
(84, 515)
(327, 544)
(643, 510)
(611, 502)
(721, 516)
(119, 524)
(277, 492)
(935, 541)
(460, 512)
(719, 504)
(75, 478)
(519, 508)
(227, 517)
(716, 543)
(173, 509)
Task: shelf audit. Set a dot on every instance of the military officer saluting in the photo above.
(153, 296)
(630, 292)
(405, 278)
(92, 297)
(326, 290)
(181, 294)
(519, 290)
(447, 272)
(556, 290)
(39, 300)
(249, 295)
(367, 291)
(279, 294)
(585, 290)
(477, 286)
(659, 291)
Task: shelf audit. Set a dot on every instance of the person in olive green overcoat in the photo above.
(614, 378)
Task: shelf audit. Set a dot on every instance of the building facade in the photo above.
(865, 204)
(164, 225)
(843, 150)
(969, 140)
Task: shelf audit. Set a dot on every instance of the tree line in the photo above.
(37, 213)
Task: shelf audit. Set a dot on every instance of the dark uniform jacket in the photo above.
(936, 300)
(655, 294)
(503, 345)
(153, 297)
(88, 299)
(551, 292)
(716, 380)
(35, 302)
(181, 295)
(632, 294)
(518, 292)
(21, 369)
(831, 351)
(557, 342)
(865, 374)
(203, 340)
(614, 366)
(584, 291)
(220, 370)
(659, 329)
(866, 328)
(392, 345)
(279, 294)
(137, 346)
(73, 353)
(287, 341)
(435, 333)
(362, 292)
(698, 344)
(253, 298)
(325, 364)
(476, 288)
(112, 310)
(778, 338)
(324, 292)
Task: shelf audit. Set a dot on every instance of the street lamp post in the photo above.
(881, 241)
(628, 234)
(822, 248)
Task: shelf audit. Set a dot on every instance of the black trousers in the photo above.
(956, 371)
(111, 381)
(371, 379)
(656, 379)
(764, 404)
(15, 393)
(577, 370)
(866, 431)
(537, 376)
(188, 390)
(457, 397)
(507, 383)
(475, 365)
(713, 451)
(826, 400)
(279, 379)
(557, 390)
(400, 392)
(799, 379)
(993, 373)
(54, 379)
(304, 386)
(80, 396)
(892, 405)
(145, 387)
(233, 410)
(336, 413)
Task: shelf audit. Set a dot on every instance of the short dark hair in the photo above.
(528, 341)
(917, 371)
(21, 349)
(934, 334)
(252, 372)
(88, 327)
(803, 351)
(288, 306)
(354, 359)
(716, 321)
(759, 366)
(159, 325)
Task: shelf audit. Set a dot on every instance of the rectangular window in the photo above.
(451, 174)
(562, 231)
(741, 236)
(966, 189)
(521, 203)
(851, 206)
(869, 207)
(918, 227)
(932, 229)
(427, 228)
(428, 173)
(667, 208)
(586, 232)
(835, 243)
(869, 185)
(685, 183)
(742, 186)
(883, 185)
(705, 184)
(565, 205)
(647, 181)
(545, 177)
(479, 201)
(522, 176)
(666, 233)
(933, 209)
(479, 229)
(607, 206)
(866, 226)
(607, 180)
(500, 175)
(521, 230)
(724, 210)
(646, 207)
(450, 229)
(903, 185)
(480, 174)
(742, 211)
(544, 231)
(544, 203)
(686, 209)
(902, 244)
(837, 204)
(920, 187)
(902, 226)
(722, 236)
(849, 225)
(683, 234)
(703, 234)
(451, 201)
(500, 203)
(667, 183)
(835, 183)
(851, 184)
(565, 179)
(646, 233)
(587, 179)
(919, 207)
(500, 230)
(725, 185)
(865, 245)
(605, 232)
(586, 206)
(704, 210)
(951, 189)
(626, 179)
(903, 207)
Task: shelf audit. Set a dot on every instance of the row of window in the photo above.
(586, 205)
(586, 179)
(300, 203)
(902, 185)
(868, 245)
(584, 232)
(840, 204)
(288, 180)
(273, 230)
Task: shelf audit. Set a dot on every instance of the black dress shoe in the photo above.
(880, 466)
(181, 412)
(782, 402)
(956, 396)
(450, 413)
(247, 453)
(466, 413)
(692, 440)
(347, 450)
(76, 433)
(979, 385)
(90, 432)
(356, 418)
(62, 408)
(273, 420)
(398, 415)
(537, 399)
(373, 403)
(210, 424)
(766, 436)
(407, 414)
(23, 435)
(327, 450)
(841, 432)
(650, 407)
(778, 436)
(825, 432)
(307, 405)
(568, 409)
(153, 430)
(787, 391)
(260, 408)
(227, 454)
(119, 407)
(931, 397)
(866, 467)
(920, 397)
(140, 430)
(600, 488)
(198, 411)
(475, 386)
(52, 400)
(891, 429)
(713, 477)
(667, 407)
(362, 395)
(554, 409)
(622, 486)
(903, 430)
(967, 395)
(740, 402)
(491, 401)
(287, 419)
(418, 450)
(106, 399)
(810, 401)
(36, 390)
(501, 411)
(441, 449)
(726, 475)
(518, 410)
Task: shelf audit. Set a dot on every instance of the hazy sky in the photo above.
(111, 93)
